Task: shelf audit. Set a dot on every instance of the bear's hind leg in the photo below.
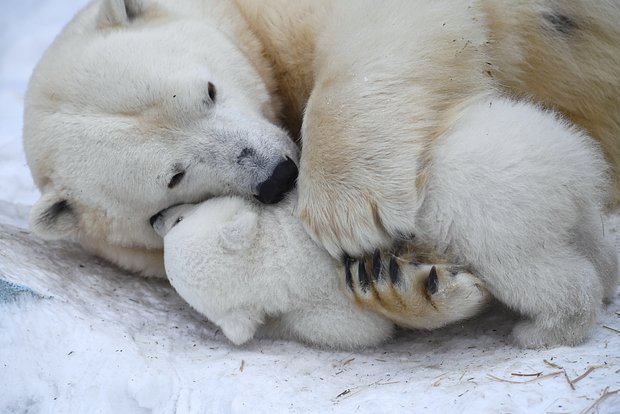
(593, 244)
(560, 311)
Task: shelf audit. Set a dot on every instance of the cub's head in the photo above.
(139, 105)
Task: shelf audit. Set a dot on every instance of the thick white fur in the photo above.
(421, 142)
(109, 121)
(253, 270)
(516, 193)
(117, 105)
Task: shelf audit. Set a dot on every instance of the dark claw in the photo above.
(363, 276)
(376, 265)
(432, 282)
(347, 272)
(394, 271)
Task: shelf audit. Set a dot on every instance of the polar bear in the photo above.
(253, 270)
(144, 104)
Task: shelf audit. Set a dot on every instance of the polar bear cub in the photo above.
(516, 193)
(252, 270)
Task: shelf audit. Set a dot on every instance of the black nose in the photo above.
(281, 181)
(154, 218)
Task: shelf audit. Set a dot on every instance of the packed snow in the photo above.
(79, 336)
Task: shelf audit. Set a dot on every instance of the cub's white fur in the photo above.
(516, 193)
(253, 270)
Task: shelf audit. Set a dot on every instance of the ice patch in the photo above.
(12, 291)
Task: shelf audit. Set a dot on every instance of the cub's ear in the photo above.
(118, 12)
(238, 234)
(53, 218)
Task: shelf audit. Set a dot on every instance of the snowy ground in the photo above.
(87, 338)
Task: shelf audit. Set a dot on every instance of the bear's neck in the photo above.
(287, 32)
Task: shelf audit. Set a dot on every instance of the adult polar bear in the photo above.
(140, 105)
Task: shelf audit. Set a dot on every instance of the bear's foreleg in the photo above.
(414, 294)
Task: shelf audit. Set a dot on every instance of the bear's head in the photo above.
(138, 106)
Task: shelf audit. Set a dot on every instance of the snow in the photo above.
(79, 335)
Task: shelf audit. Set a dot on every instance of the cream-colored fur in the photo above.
(253, 270)
(109, 122)
(566, 55)
(512, 202)
(121, 103)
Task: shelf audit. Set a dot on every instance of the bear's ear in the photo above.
(53, 218)
(118, 12)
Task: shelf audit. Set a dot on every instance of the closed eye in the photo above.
(212, 92)
(209, 100)
(176, 179)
